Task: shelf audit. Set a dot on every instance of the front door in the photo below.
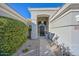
(42, 31)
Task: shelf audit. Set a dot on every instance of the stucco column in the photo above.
(34, 29)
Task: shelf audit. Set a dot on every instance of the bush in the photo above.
(25, 50)
(13, 34)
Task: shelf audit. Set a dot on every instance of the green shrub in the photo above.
(25, 50)
(13, 34)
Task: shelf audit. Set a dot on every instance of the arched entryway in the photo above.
(42, 24)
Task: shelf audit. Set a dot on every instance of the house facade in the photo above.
(40, 21)
(66, 25)
(63, 21)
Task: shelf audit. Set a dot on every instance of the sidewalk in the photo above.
(38, 47)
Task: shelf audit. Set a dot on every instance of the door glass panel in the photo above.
(42, 31)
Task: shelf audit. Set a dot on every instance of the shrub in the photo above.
(13, 34)
(25, 50)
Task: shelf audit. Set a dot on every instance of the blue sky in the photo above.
(22, 8)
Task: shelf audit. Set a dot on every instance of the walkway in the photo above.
(39, 47)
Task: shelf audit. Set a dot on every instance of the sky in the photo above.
(22, 8)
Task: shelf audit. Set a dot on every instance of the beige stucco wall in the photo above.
(67, 35)
(2, 13)
(5, 10)
(64, 33)
(75, 34)
(39, 11)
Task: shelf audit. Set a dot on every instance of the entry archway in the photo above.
(42, 24)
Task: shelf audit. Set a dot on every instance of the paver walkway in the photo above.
(38, 47)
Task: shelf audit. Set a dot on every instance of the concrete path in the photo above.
(45, 48)
(38, 47)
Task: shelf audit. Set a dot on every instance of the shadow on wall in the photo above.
(58, 49)
(32, 28)
(29, 31)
